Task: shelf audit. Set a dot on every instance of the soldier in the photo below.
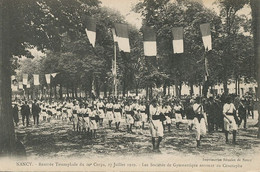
(92, 122)
(142, 109)
(190, 114)
(44, 112)
(156, 127)
(101, 111)
(229, 112)
(129, 116)
(64, 111)
(75, 119)
(117, 113)
(167, 112)
(85, 118)
(178, 111)
(200, 120)
(109, 112)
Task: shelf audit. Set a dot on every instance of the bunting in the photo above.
(149, 36)
(36, 79)
(48, 78)
(177, 42)
(25, 79)
(54, 75)
(122, 37)
(90, 29)
(206, 36)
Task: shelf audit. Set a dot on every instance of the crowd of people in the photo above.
(160, 113)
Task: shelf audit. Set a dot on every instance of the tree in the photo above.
(26, 24)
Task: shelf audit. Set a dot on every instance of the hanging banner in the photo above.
(206, 36)
(28, 85)
(149, 36)
(48, 78)
(122, 37)
(36, 79)
(25, 79)
(90, 29)
(177, 42)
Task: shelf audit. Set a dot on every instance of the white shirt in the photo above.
(228, 108)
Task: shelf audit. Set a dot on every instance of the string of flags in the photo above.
(120, 35)
(26, 84)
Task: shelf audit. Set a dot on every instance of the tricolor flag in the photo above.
(36, 79)
(177, 42)
(206, 36)
(25, 79)
(149, 36)
(122, 37)
(48, 78)
(90, 29)
(54, 75)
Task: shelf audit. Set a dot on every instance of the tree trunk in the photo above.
(225, 85)
(147, 92)
(60, 92)
(180, 88)
(124, 88)
(191, 89)
(55, 92)
(164, 89)
(151, 92)
(76, 91)
(105, 90)
(169, 90)
(255, 5)
(7, 136)
(136, 90)
(67, 90)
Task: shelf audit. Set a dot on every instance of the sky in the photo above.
(125, 6)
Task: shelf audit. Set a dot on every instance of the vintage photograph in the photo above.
(129, 85)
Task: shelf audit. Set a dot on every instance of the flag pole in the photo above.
(115, 72)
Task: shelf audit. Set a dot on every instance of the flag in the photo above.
(177, 42)
(149, 36)
(25, 79)
(54, 75)
(20, 85)
(122, 37)
(48, 78)
(36, 79)
(114, 35)
(28, 85)
(206, 36)
(90, 29)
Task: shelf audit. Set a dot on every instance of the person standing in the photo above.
(200, 120)
(229, 119)
(156, 127)
(15, 114)
(117, 114)
(178, 111)
(25, 111)
(242, 113)
(35, 112)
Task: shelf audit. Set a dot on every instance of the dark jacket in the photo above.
(36, 109)
(25, 110)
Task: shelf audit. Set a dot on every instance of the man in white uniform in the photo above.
(200, 120)
(229, 111)
(156, 127)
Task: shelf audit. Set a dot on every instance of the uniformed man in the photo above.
(200, 120)
(101, 111)
(92, 122)
(129, 116)
(109, 112)
(156, 127)
(117, 114)
(229, 112)
(167, 112)
(178, 111)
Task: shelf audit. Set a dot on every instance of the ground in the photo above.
(57, 139)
